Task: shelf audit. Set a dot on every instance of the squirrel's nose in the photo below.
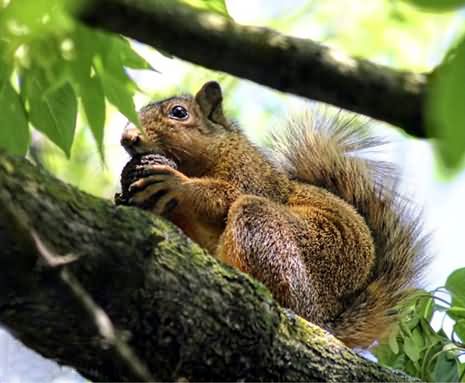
(131, 136)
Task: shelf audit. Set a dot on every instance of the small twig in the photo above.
(96, 313)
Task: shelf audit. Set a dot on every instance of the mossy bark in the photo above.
(185, 314)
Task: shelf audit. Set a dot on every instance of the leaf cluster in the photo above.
(445, 103)
(50, 65)
(415, 347)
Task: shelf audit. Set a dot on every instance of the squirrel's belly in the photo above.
(206, 235)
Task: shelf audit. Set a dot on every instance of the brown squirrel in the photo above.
(324, 229)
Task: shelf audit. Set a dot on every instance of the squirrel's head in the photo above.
(181, 127)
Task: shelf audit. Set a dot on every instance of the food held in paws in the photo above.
(134, 170)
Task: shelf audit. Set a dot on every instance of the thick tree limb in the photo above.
(293, 65)
(105, 327)
(186, 315)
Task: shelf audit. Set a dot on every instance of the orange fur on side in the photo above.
(327, 151)
(322, 227)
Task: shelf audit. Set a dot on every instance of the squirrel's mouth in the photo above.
(135, 151)
(138, 151)
(136, 143)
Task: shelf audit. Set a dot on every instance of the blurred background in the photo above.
(384, 31)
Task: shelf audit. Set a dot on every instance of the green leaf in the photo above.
(384, 354)
(424, 307)
(399, 362)
(118, 87)
(109, 59)
(455, 284)
(14, 129)
(456, 312)
(459, 329)
(412, 322)
(218, 6)
(93, 101)
(86, 45)
(430, 336)
(411, 368)
(418, 338)
(438, 5)
(90, 91)
(87, 85)
(445, 369)
(462, 373)
(445, 107)
(411, 349)
(121, 97)
(129, 57)
(394, 346)
(52, 112)
(442, 333)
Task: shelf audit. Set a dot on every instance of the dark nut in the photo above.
(134, 170)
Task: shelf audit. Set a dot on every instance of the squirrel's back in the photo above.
(342, 258)
(326, 151)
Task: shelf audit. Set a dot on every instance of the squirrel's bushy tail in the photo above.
(327, 151)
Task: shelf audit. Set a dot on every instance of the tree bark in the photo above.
(293, 65)
(185, 315)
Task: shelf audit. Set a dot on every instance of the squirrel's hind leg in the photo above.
(260, 239)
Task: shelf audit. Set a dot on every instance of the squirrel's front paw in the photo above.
(160, 189)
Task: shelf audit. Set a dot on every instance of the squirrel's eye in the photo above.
(179, 112)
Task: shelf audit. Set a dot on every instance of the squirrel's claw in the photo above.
(142, 183)
(159, 192)
(165, 205)
(148, 170)
(160, 198)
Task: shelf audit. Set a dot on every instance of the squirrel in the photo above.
(325, 229)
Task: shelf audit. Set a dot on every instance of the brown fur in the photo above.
(322, 228)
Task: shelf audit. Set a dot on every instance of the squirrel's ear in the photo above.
(210, 99)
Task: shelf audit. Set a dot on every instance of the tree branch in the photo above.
(289, 64)
(185, 314)
(105, 328)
